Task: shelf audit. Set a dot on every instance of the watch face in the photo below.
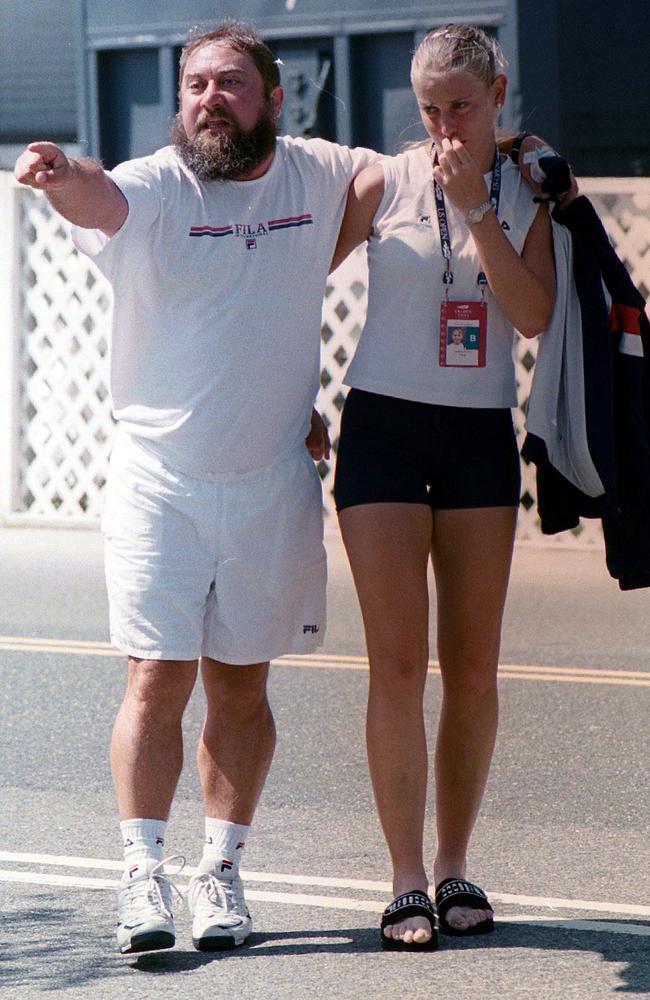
(476, 214)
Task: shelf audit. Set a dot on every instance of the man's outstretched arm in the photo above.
(80, 190)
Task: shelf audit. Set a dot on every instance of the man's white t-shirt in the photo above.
(218, 288)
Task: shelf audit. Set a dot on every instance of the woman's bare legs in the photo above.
(387, 545)
(472, 551)
(388, 548)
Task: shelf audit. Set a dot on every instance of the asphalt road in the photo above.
(562, 844)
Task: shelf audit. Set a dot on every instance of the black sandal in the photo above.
(458, 892)
(409, 904)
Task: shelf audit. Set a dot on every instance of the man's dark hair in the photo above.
(243, 38)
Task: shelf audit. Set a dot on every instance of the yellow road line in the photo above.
(332, 661)
(34, 644)
(509, 671)
(361, 663)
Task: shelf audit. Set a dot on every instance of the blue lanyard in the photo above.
(443, 225)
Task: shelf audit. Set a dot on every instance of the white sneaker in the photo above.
(145, 921)
(220, 917)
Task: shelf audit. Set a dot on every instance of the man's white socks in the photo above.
(145, 838)
(224, 844)
(142, 839)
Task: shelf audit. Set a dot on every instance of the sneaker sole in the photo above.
(155, 941)
(217, 942)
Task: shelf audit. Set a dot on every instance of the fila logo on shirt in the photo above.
(250, 232)
(425, 220)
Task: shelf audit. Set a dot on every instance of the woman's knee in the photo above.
(399, 672)
(469, 678)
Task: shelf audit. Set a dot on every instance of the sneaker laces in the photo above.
(156, 889)
(209, 895)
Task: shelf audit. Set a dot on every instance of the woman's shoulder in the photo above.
(514, 181)
(518, 206)
(411, 165)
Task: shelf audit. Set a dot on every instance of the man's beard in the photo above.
(230, 154)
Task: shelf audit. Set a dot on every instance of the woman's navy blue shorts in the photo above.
(447, 457)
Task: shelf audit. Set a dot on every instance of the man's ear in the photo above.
(277, 100)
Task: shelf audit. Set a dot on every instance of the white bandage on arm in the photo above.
(532, 159)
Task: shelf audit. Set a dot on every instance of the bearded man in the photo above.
(218, 249)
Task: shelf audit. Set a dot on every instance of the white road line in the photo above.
(111, 864)
(61, 860)
(604, 926)
(290, 898)
(556, 903)
(71, 881)
(333, 903)
(72, 861)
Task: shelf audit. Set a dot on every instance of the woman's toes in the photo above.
(414, 931)
(456, 918)
(462, 917)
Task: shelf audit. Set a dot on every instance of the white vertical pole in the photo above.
(10, 337)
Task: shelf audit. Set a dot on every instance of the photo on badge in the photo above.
(462, 344)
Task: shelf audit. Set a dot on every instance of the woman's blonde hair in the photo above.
(458, 46)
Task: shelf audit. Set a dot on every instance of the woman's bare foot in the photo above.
(411, 930)
(460, 918)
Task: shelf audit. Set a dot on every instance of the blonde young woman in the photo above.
(428, 463)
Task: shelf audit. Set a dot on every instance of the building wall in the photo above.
(585, 81)
(38, 54)
(103, 72)
(345, 65)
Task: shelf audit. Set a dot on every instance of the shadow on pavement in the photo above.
(53, 948)
(629, 950)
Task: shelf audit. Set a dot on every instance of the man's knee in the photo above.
(237, 690)
(163, 686)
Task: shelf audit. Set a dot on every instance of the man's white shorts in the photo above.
(232, 568)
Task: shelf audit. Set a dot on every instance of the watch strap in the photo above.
(476, 214)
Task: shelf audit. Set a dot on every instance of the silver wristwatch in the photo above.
(476, 214)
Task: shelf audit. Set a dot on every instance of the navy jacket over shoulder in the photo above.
(617, 406)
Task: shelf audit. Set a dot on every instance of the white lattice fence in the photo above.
(61, 425)
(54, 305)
